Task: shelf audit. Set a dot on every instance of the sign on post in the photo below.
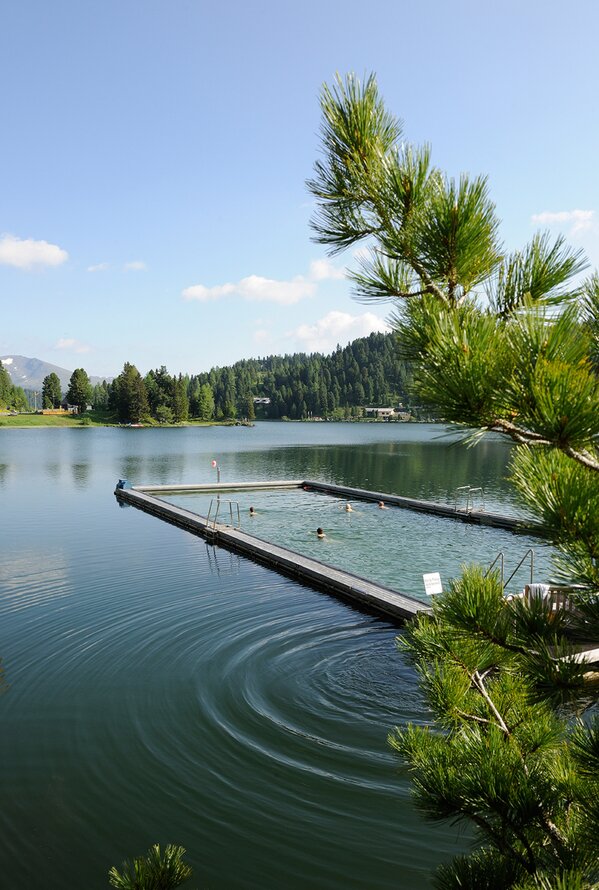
(432, 583)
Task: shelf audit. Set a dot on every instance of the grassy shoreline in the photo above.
(91, 419)
(98, 419)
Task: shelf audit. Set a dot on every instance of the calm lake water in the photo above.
(158, 689)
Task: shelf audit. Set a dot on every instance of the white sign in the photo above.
(432, 583)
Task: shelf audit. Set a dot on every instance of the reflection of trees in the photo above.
(166, 468)
(430, 470)
(81, 474)
(53, 469)
(132, 469)
(3, 473)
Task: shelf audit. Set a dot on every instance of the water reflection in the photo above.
(81, 473)
(222, 562)
(163, 688)
(428, 470)
(32, 577)
(53, 470)
(132, 469)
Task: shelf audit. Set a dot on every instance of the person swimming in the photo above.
(382, 506)
(252, 511)
(320, 532)
(349, 508)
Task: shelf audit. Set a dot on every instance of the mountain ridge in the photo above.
(29, 373)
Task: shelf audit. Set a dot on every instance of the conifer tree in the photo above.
(509, 344)
(129, 395)
(205, 402)
(5, 387)
(51, 391)
(157, 870)
(80, 391)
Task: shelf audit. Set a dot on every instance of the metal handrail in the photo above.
(530, 552)
(219, 502)
(461, 488)
(482, 495)
(469, 489)
(501, 558)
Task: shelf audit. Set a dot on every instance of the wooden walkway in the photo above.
(360, 591)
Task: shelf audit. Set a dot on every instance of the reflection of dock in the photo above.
(317, 574)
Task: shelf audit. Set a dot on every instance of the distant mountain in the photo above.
(29, 373)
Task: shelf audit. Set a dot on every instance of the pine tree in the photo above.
(80, 391)
(130, 396)
(504, 753)
(5, 387)
(205, 408)
(51, 391)
(179, 399)
(157, 870)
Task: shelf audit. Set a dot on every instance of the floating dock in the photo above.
(375, 597)
(476, 517)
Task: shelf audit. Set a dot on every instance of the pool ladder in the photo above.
(216, 504)
(469, 490)
(500, 559)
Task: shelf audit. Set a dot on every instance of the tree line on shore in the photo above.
(366, 372)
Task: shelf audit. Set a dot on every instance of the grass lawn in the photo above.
(20, 421)
(90, 418)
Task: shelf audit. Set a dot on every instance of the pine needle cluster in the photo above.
(509, 344)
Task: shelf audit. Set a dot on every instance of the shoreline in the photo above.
(86, 422)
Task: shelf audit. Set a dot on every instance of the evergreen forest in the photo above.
(366, 373)
(12, 398)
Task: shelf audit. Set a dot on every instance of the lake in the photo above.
(158, 689)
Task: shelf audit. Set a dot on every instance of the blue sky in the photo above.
(154, 155)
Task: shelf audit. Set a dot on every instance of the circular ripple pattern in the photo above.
(159, 689)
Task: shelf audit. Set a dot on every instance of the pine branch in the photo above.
(478, 682)
(526, 437)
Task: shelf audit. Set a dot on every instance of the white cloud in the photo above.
(99, 267)
(135, 266)
(24, 253)
(71, 345)
(576, 220)
(337, 327)
(321, 270)
(259, 289)
(255, 289)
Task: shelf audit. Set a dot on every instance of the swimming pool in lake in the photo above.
(393, 546)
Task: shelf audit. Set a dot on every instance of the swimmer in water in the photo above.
(252, 511)
(349, 508)
(320, 532)
(382, 506)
